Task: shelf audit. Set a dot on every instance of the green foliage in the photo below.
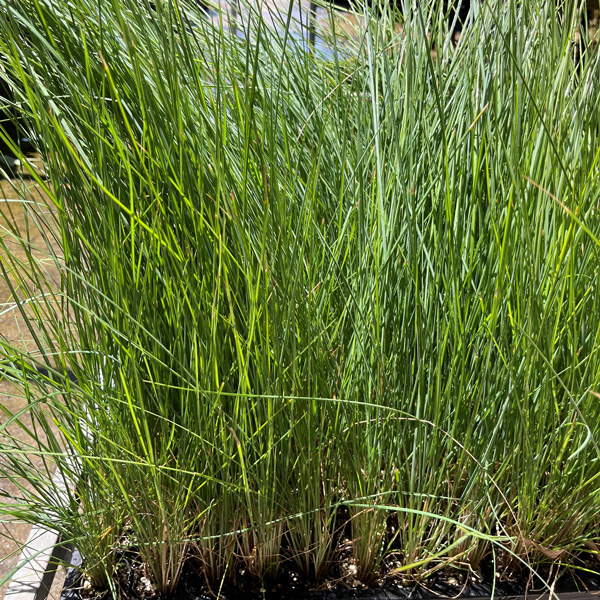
(291, 282)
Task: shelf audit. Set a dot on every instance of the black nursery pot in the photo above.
(43, 554)
(439, 587)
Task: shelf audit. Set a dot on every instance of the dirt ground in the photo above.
(12, 329)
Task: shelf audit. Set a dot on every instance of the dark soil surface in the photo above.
(133, 584)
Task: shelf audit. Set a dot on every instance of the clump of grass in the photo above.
(295, 287)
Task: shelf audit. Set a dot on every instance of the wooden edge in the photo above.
(39, 560)
(41, 555)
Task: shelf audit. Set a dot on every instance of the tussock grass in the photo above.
(296, 287)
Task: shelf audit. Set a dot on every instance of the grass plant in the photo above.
(317, 306)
